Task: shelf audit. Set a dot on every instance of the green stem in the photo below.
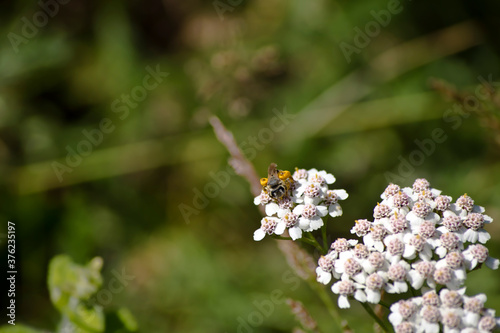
(413, 292)
(384, 304)
(323, 235)
(282, 238)
(314, 242)
(374, 316)
(327, 300)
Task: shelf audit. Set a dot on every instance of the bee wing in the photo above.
(272, 171)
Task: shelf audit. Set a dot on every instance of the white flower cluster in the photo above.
(450, 311)
(304, 210)
(417, 237)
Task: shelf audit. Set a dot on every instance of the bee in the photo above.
(278, 182)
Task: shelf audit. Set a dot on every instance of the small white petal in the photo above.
(335, 210)
(483, 236)
(471, 236)
(342, 194)
(373, 296)
(400, 287)
(344, 302)
(316, 223)
(298, 210)
(432, 217)
(360, 296)
(441, 251)
(379, 246)
(426, 253)
(322, 276)
(280, 228)
(258, 235)
(329, 178)
(271, 208)
(409, 252)
(492, 263)
(322, 210)
(416, 280)
(395, 318)
(430, 327)
(304, 223)
(295, 233)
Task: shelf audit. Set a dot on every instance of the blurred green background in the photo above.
(357, 116)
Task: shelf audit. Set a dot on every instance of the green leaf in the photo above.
(18, 328)
(71, 287)
(127, 319)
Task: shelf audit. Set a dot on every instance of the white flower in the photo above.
(347, 266)
(395, 248)
(473, 306)
(423, 271)
(390, 190)
(416, 244)
(269, 225)
(478, 254)
(444, 275)
(325, 268)
(452, 309)
(430, 319)
(452, 320)
(331, 201)
(374, 239)
(321, 177)
(465, 205)
(420, 212)
(398, 275)
(451, 222)
(310, 216)
(291, 221)
(404, 311)
(475, 232)
(375, 282)
(262, 199)
(448, 242)
(348, 288)
(376, 262)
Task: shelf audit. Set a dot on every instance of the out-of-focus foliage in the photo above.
(72, 290)
(129, 163)
(70, 286)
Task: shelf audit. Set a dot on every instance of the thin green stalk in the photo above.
(384, 304)
(374, 316)
(323, 235)
(413, 292)
(314, 242)
(282, 238)
(327, 300)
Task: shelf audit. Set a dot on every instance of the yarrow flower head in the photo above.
(418, 238)
(297, 202)
(451, 311)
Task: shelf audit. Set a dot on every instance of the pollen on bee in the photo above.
(263, 181)
(285, 174)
